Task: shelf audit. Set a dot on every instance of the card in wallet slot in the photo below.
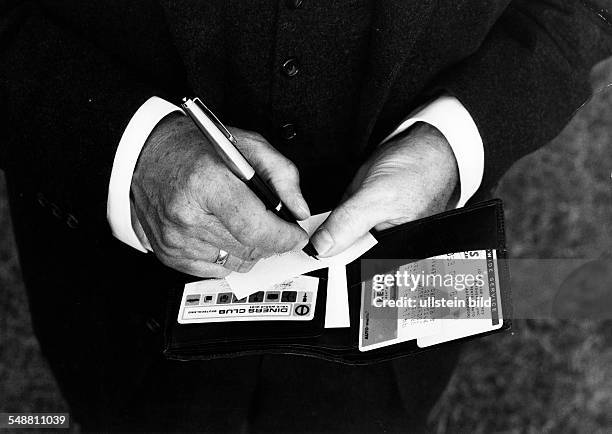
(478, 229)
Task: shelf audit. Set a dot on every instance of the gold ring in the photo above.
(222, 257)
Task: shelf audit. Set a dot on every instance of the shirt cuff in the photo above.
(451, 118)
(118, 206)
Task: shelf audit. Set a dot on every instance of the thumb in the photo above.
(348, 222)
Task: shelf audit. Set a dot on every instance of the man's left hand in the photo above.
(407, 178)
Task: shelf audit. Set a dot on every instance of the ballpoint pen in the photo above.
(225, 145)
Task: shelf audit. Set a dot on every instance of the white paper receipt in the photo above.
(284, 266)
(213, 301)
(434, 300)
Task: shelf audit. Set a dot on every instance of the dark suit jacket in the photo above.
(73, 72)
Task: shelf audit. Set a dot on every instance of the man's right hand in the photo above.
(190, 205)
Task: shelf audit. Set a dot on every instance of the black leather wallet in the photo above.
(478, 227)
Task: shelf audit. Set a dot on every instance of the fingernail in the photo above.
(322, 241)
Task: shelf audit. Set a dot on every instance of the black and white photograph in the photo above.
(306, 216)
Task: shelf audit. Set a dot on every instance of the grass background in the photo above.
(546, 376)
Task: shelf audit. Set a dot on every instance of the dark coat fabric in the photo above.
(73, 72)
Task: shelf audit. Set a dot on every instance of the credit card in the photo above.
(433, 301)
(213, 301)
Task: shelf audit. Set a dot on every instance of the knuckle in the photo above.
(193, 182)
(177, 212)
(203, 164)
(193, 177)
(168, 253)
(170, 238)
(161, 250)
(236, 264)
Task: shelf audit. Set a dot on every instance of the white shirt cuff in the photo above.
(118, 208)
(451, 118)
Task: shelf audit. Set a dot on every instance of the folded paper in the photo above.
(278, 268)
(337, 304)
(281, 267)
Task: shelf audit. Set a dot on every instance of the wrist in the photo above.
(430, 149)
(173, 139)
(434, 140)
(440, 152)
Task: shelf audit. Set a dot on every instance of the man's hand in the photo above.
(407, 178)
(190, 205)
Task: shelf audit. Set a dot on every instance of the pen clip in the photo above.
(215, 120)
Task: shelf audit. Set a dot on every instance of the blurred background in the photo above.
(546, 376)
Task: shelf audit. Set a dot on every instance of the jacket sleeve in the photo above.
(529, 76)
(69, 83)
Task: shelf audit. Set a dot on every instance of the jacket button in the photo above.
(153, 325)
(71, 221)
(294, 4)
(56, 211)
(287, 132)
(41, 200)
(291, 67)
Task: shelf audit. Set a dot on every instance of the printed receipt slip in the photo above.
(420, 284)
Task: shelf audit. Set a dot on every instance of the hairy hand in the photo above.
(190, 205)
(407, 178)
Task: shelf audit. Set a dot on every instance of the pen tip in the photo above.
(311, 251)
